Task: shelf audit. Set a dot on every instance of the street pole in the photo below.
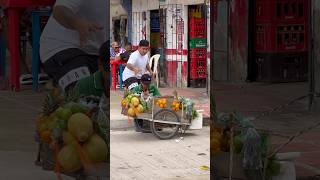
(315, 56)
(311, 57)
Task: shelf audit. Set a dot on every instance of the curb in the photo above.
(124, 124)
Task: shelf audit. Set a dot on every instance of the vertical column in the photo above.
(14, 47)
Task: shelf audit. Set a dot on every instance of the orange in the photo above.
(46, 136)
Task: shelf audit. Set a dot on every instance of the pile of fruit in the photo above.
(162, 102)
(176, 105)
(133, 105)
(71, 131)
(220, 141)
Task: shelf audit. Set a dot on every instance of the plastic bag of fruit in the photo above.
(74, 131)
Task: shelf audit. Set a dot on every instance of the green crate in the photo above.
(198, 43)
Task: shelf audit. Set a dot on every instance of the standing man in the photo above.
(70, 42)
(137, 65)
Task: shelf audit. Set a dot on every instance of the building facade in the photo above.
(166, 24)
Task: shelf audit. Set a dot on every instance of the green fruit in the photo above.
(237, 143)
(64, 113)
(129, 97)
(75, 107)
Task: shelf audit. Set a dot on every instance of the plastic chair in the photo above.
(36, 32)
(155, 61)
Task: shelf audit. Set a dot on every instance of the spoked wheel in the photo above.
(165, 130)
(142, 125)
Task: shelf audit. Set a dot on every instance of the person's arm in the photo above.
(130, 65)
(149, 69)
(67, 18)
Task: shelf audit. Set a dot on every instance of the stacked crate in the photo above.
(197, 51)
(281, 40)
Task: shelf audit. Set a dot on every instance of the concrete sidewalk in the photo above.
(142, 156)
(198, 95)
(254, 98)
(18, 150)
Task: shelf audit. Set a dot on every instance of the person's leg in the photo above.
(69, 66)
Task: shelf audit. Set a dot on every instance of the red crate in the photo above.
(197, 22)
(281, 38)
(197, 33)
(197, 28)
(198, 53)
(198, 68)
(198, 73)
(282, 11)
(291, 37)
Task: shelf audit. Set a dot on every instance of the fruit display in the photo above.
(176, 105)
(232, 132)
(133, 105)
(162, 102)
(72, 128)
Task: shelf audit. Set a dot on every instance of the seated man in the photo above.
(126, 55)
(146, 87)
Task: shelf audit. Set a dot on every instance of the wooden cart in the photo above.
(164, 122)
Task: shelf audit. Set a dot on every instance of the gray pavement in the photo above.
(143, 156)
(18, 149)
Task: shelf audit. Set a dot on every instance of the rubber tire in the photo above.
(141, 129)
(160, 136)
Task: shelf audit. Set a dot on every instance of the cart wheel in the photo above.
(140, 128)
(164, 130)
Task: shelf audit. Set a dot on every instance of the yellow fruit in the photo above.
(46, 136)
(123, 103)
(131, 112)
(42, 127)
(95, 149)
(69, 159)
(80, 126)
(216, 135)
(68, 138)
(140, 108)
(135, 101)
(215, 146)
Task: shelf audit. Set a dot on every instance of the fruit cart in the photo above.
(164, 116)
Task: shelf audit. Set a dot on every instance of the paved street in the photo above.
(143, 156)
(18, 149)
(254, 98)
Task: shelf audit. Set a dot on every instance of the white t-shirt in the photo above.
(55, 37)
(138, 61)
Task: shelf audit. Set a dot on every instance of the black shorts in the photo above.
(69, 60)
(131, 82)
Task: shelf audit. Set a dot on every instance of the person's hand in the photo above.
(84, 29)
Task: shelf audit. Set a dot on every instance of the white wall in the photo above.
(116, 11)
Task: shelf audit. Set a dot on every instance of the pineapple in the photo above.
(52, 102)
